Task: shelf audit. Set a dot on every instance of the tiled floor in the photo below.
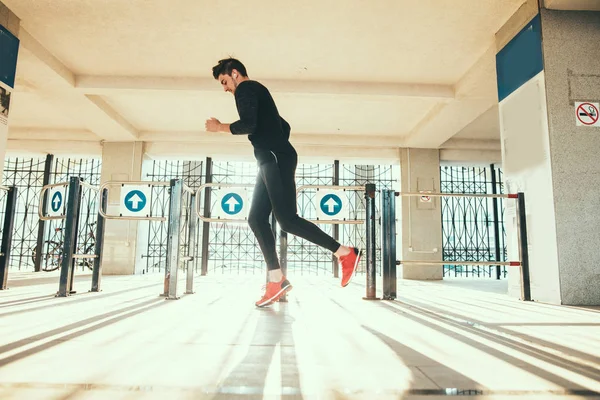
(449, 340)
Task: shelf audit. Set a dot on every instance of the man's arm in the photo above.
(247, 105)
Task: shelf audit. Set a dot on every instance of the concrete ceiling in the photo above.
(484, 127)
(389, 73)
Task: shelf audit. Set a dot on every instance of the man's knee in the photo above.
(287, 223)
(255, 220)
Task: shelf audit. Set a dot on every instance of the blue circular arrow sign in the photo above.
(232, 203)
(331, 204)
(56, 203)
(135, 201)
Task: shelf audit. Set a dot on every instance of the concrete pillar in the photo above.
(549, 63)
(9, 46)
(121, 161)
(421, 221)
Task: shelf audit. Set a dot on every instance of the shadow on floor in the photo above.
(129, 312)
(499, 338)
(79, 298)
(273, 328)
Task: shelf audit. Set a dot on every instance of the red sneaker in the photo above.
(274, 290)
(348, 264)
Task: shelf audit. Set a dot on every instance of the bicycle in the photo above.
(51, 261)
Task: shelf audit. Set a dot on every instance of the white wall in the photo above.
(527, 168)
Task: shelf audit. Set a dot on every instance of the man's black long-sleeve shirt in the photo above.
(259, 119)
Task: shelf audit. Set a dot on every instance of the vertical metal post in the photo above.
(523, 247)
(388, 237)
(42, 224)
(274, 231)
(189, 284)
(393, 237)
(67, 266)
(283, 243)
(173, 238)
(385, 240)
(97, 271)
(496, 221)
(371, 249)
(7, 231)
(206, 225)
(336, 228)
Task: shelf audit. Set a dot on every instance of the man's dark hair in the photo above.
(227, 65)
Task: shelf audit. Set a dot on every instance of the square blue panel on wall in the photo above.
(521, 59)
(9, 50)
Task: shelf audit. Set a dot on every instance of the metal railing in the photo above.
(177, 189)
(71, 202)
(369, 221)
(7, 233)
(390, 263)
(106, 186)
(218, 185)
(43, 197)
(334, 187)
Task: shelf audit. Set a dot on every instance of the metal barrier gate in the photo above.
(177, 190)
(71, 202)
(7, 231)
(369, 222)
(389, 241)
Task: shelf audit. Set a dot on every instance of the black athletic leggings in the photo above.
(275, 191)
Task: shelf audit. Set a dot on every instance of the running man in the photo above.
(275, 188)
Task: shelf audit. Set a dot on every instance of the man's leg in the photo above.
(279, 178)
(281, 186)
(258, 219)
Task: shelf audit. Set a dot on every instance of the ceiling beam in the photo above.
(57, 147)
(56, 80)
(224, 139)
(516, 22)
(219, 139)
(42, 54)
(472, 144)
(24, 133)
(476, 93)
(243, 152)
(105, 85)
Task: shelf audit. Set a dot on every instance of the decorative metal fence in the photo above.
(473, 228)
(232, 248)
(29, 175)
(154, 233)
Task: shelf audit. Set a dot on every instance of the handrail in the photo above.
(90, 186)
(433, 194)
(212, 184)
(239, 185)
(188, 189)
(344, 188)
(106, 185)
(355, 188)
(41, 203)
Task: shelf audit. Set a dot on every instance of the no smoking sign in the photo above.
(587, 114)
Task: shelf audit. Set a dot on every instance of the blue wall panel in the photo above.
(521, 59)
(9, 49)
